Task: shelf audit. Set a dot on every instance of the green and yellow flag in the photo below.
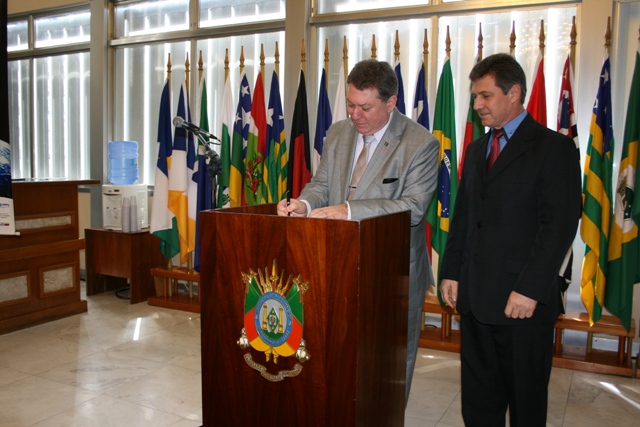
(440, 209)
(596, 199)
(239, 143)
(624, 253)
(227, 118)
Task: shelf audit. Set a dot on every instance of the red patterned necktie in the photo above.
(495, 148)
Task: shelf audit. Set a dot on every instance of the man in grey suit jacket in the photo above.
(514, 221)
(400, 175)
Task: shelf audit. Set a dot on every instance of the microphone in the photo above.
(180, 123)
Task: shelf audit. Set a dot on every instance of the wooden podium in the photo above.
(354, 319)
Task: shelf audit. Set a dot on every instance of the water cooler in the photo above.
(112, 200)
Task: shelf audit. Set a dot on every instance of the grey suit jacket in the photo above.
(401, 176)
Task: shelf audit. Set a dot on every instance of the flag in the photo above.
(400, 102)
(227, 118)
(239, 142)
(624, 250)
(596, 199)
(276, 166)
(420, 101)
(179, 175)
(200, 184)
(420, 114)
(163, 222)
(323, 121)
(340, 101)
(444, 129)
(537, 106)
(254, 158)
(300, 164)
(567, 125)
(473, 130)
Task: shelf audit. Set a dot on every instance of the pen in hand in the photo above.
(288, 201)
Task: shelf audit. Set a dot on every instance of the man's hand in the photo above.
(332, 212)
(449, 292)
(294, 208)
(519, 306)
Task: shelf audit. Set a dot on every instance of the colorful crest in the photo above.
(274, 319)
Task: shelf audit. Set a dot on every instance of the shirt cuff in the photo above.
(308, 206)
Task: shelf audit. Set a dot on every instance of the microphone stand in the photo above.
(214, 165)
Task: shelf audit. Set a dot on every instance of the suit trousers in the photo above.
(505, 366)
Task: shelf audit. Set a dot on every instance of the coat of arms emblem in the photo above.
(274, 320)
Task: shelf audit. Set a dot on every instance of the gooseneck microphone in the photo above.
(179, 122)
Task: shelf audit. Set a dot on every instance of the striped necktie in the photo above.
(495, 148)
(361, 164)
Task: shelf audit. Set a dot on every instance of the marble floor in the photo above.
(122, 365)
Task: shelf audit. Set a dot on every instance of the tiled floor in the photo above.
(125, 365)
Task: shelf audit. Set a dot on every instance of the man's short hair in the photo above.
(505, 70)
(373, 74)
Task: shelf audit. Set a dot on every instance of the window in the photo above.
(142, 53)
(341, 6)
(463, 29)
(214, 13)
(49, 96)
(151, 17)
(62, 30)
(17, 36)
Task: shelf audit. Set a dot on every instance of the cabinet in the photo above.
(40, 267)
(112, 257)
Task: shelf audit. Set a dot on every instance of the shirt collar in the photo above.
(511, 126)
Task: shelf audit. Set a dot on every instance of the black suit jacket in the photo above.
(511, 228)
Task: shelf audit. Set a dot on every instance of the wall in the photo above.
(22, 6)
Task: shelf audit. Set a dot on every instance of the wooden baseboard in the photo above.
(596, 361)
(177, 302)
(42, 316)
(431, 338)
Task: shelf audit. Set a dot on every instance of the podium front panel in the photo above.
(354, 319)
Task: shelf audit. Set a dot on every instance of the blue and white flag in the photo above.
(323, 121)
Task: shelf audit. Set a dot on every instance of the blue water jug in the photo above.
(123, 162)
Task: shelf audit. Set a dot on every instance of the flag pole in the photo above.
(572, 43)
(326, 60)
(512, 38)
(541, 38)
(277, 60)
(191, 262)
(607, 36)
(607, 45)
(345, 58)
(425, 58)
(170, 260)
(374, 49)
(447, 44)
(226, 64)
(186, 71)
(262, 60)
(303, 58)
(480, 40)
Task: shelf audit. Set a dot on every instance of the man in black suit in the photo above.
(515, 217)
